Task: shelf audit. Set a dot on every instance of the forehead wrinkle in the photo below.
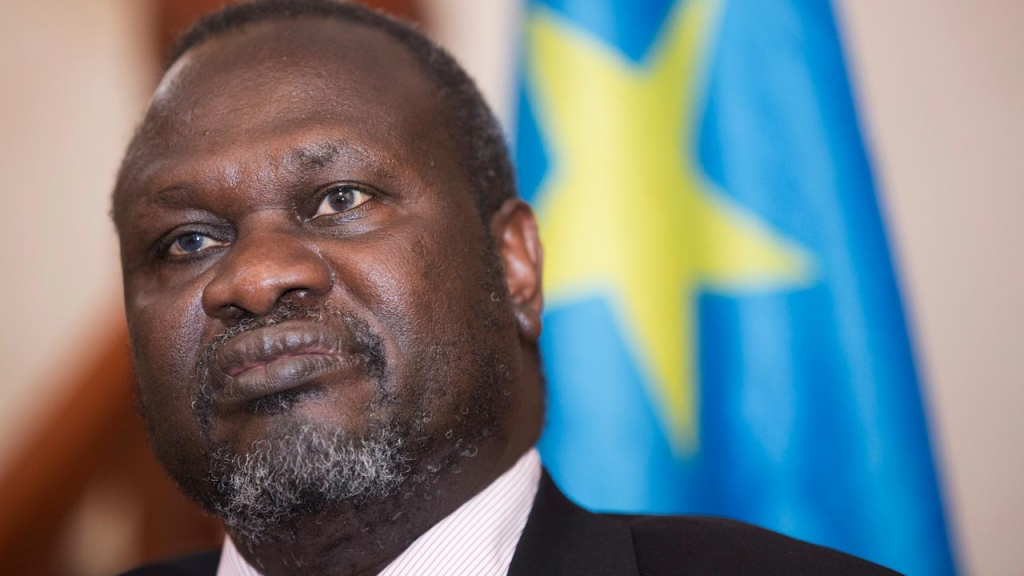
(297, 163)
(177, 196)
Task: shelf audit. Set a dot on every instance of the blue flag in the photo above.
(724, 333)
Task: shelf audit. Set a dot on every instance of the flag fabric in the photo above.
(724, 334)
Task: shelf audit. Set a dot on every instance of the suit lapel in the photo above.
(562, 539)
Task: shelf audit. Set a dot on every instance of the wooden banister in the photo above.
(50, 471)
(94, 431)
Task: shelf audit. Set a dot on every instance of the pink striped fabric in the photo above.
(232, 563)
(477, 539)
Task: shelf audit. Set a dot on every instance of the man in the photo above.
(334, 301)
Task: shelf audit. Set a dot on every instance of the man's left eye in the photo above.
(342, 199)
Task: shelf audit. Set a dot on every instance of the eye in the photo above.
(342, 199)
(192, 242)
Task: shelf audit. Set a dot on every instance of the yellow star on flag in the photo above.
(625, 211)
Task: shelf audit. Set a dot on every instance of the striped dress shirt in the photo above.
(479, 538)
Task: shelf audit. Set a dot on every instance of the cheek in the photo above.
(434, 305)
(166, 330)
(401, 288)
(448, 283)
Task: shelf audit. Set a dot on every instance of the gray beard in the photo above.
(300, 474)
(304, 469)
(265, 491)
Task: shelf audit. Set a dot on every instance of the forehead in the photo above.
(288, 84)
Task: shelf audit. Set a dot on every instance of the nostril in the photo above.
(296, 295)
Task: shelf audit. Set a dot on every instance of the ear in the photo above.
(514, 229)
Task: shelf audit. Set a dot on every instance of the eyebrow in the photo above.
(318, 155)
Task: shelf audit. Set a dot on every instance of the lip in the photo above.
(278, 358)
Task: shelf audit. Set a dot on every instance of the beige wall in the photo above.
(942, 88)
(941, 92)
(74, 79)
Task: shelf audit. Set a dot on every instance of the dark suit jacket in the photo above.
(562, 539)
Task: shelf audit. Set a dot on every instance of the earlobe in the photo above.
(514, 229)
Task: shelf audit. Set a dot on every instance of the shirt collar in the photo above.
(478, 538)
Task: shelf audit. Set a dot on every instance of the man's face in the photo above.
(303, 260)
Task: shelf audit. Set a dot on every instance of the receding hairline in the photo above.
(227, 36)
(478, 138)
(304, 44)
(286, 46)
(241, 14)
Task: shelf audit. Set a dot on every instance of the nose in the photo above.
(260, 269)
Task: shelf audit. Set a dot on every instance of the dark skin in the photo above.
(308, 161)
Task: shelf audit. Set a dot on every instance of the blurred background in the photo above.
(940, 95)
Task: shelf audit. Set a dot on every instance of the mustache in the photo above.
(368, 345)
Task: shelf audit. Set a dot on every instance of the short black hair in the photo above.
(478, 136)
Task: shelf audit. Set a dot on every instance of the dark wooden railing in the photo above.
(93, 442)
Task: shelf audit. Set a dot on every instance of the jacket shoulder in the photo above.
(202, 564)
(708, 545)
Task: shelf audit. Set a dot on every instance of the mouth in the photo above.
(279, 360)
